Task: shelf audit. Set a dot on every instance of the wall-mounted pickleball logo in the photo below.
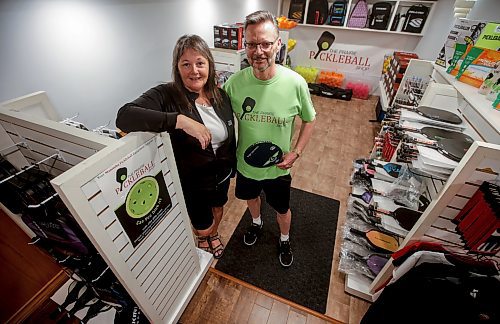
(324, 43)
(142, 197)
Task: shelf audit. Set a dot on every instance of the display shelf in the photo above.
(383, 96)
(477, 109)
(481, 163)
(358, 286)
(399, 6)
(360, 29)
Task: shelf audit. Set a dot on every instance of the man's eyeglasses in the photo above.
(265, 46)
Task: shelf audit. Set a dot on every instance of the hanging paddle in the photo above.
(405, 217)
(434, 114)
(451, 148)
(381, 241)
(367, 197)
(375, 262)
(434, 133)
(439, 114)
(393, 169)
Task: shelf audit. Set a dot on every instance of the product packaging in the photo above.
(476, 66)
(464, 31)
(492, 78)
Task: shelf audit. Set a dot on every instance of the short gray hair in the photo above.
(261, 16)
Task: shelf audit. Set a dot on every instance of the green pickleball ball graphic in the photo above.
(142, 197)
(325, 45)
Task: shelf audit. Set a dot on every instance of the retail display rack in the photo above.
(160, 272)
(448, 195)
(398, 10)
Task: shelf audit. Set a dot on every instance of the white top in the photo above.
(214, 124)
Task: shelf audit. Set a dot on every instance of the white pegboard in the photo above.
(162, 271)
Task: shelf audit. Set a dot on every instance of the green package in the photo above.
(459, 52)
(469, 58)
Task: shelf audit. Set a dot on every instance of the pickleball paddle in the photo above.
(374, 262)
(439, 114)
(405, 217)
(263, 154)
(434, 133)
(325, 41)
(453, 149)
(380, 241)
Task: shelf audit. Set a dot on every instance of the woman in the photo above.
(199, 118)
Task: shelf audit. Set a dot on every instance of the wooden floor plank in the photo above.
(279, 313)
(258, 315)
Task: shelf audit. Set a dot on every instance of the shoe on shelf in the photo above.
(285, 253)
(252, 233)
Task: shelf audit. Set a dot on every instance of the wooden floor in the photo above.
(343, 133)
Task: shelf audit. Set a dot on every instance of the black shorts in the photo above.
(199, 204)
(277, 190)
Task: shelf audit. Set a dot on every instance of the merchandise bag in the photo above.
(359, 15)
(337, 13)
(415, 19)
(296, 10)
(317, 13)
(381, 14)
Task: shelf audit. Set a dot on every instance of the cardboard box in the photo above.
(225, 32)
(217, 36)
(236, 36)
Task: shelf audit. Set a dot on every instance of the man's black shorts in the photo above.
(277, 190)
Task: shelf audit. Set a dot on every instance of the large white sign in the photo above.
(135, 189)
(355, 53)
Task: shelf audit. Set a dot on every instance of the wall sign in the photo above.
(135, 188)
(355, 53)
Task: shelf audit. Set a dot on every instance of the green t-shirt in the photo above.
(270, 110)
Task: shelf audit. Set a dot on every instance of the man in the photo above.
(266, 98)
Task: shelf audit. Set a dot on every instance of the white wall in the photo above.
(486, 10)
(439, 26)
(93, 56)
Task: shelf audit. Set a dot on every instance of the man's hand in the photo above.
(195, 129)
(288, 160)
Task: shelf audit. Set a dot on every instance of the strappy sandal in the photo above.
(217, 250)
(200, 243)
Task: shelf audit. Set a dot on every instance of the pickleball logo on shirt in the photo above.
(262, 115)
(247, 106)
(263, 154)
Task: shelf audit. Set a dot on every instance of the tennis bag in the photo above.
(317, 13)
(296, 10)
(415, 19)
(359, 15)
(381, 13)
(337, 13)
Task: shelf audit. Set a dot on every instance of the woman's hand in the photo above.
(195, 129)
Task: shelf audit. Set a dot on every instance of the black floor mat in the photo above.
(312, 236)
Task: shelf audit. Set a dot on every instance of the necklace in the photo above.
(203, 103)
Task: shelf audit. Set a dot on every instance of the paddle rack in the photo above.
(162, 271)
(448, 195)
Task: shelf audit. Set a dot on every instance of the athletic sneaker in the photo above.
(253, 232)
(286, 256)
